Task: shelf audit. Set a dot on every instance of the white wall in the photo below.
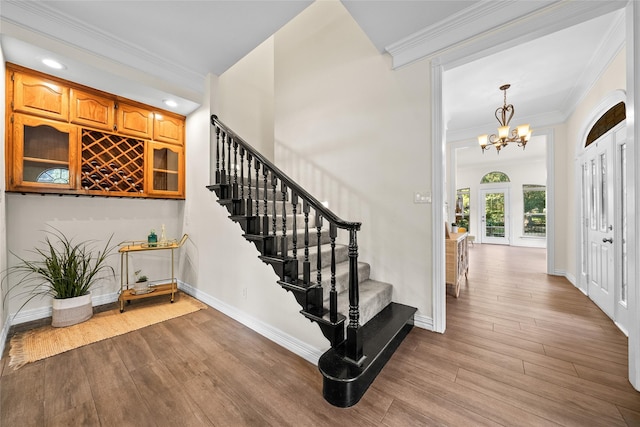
(87, 218)
(356, 134)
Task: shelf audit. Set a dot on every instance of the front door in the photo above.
(494, 220)
(599, 222)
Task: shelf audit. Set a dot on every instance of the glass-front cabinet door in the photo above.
(167, 169)
(44, 154)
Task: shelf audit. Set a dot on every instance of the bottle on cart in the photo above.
(163, 237)
(152, 239)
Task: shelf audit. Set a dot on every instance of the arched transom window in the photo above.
(494, 177)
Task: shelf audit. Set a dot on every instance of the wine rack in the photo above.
(112, 163)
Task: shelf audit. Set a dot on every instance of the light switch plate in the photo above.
(422, 197)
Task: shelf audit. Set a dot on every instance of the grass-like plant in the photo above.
(62, 268)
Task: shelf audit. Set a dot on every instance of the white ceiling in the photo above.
(153, 50)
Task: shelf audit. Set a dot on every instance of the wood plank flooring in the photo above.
(521, 349)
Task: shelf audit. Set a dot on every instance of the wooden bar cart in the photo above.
(127, 293)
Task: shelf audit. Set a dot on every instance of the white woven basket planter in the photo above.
(69, 311)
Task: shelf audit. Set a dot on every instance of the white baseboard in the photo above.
(43, 312)
(302, 349)
(423, 322)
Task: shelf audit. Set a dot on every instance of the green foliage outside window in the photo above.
(535, 210)
(494, 177)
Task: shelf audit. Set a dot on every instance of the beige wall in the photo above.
(356, 134)
(244, 100)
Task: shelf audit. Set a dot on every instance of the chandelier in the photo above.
(504, 114)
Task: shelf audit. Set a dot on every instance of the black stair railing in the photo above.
(228, 144)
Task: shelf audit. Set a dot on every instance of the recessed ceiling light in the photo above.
(52, 63)
(170, 103)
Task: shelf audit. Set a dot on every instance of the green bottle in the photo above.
(152, 239)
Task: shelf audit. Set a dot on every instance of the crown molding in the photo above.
(41, 19)
(493, 25)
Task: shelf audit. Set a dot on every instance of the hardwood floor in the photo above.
(521, 348)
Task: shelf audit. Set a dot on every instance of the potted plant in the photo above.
(65, 270)
(142, 283)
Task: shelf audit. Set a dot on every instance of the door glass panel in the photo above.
(45, 149)
(603, 192)
(593, 198)
(494, 214)
(623, 210)
(585, 212)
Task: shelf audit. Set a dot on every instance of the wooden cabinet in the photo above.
(457, 256)
(92, 110)
(166, 173)
(168, 128)
(44, 156)
(134, 121)
(66, 138)
(40, 96)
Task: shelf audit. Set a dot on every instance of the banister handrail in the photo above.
(290, 183)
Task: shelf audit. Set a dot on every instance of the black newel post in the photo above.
(354, 339)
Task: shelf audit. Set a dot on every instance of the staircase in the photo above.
(299, 238)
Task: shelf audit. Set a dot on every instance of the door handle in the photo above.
(610, 240)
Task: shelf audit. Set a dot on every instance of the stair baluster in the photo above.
(294, 238)
(319, 245)
(217, 176)
(284, 246)
(257, 166)
(249, 204)
(306, 265)
(274, 218)
(333, 294)
(234, 187)
(229, 142)
(223, 173)
(265, 217)
(242, 177)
